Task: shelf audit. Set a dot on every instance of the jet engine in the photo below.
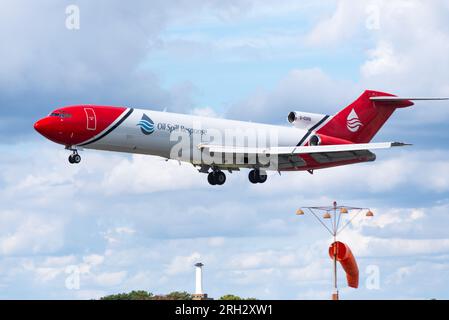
(304, 120)
(321, 139)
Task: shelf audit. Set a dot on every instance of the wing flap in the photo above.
(332, 157)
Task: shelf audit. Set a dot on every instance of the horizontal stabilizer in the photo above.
(395, 99)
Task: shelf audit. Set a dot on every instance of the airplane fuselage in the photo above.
(168, 128)
(315, 141)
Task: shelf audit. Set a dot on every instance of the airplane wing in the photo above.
(301, 150)
(290, 157)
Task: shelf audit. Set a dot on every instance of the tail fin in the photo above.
(361, 120)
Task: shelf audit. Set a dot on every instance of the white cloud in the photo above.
(114, 235)
(109, 279)
(93, 259)
(146, 174)
(182, 264)
(338, 27)
(388, 172)
(314, 271)
(47, 274)
(310, 90)
(205, 112)
(216, 241)
(33, 234)
(263, 259)
(405, 55)
(410, 49)
(383, 60)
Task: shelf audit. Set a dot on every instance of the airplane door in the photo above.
(91, 119)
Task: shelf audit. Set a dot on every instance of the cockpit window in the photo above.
(61, 114)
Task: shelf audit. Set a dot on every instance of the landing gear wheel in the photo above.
(77, 158)
(252, 176)
(216, 178)
(220, 178)
(255, 176)
(211, 178)
(262, 177)
(74, 158)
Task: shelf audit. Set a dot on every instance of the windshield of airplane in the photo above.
(60, 114)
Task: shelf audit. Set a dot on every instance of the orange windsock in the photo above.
(347, 261)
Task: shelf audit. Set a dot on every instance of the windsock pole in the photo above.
(335, 293)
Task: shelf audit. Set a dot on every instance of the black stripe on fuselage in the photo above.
(311, 130)
(110, 129)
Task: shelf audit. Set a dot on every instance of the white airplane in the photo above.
(313, 141)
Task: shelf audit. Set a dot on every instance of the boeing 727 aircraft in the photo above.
(313, 141)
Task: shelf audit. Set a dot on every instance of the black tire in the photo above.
(211, 179)
(71, 160)
(220, 178)
(262, 177)
(257, 175)
(76, 158)
(252, 176)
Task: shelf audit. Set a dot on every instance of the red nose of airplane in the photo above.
(41, 126)
(48, 128)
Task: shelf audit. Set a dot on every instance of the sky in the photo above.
(120, 222)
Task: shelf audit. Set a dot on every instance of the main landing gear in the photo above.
(255, 176)
(74, 157)
(216, 177)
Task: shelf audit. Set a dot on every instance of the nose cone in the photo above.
(42, 127)
(49, 128)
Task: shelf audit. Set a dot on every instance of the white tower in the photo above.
(199, 278)
(199, 294)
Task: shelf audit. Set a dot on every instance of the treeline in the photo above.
(176, 295)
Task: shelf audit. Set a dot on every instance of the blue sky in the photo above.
(135, 222)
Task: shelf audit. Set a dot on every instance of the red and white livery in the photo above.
(313, 141)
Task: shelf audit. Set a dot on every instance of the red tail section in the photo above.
(361, 120)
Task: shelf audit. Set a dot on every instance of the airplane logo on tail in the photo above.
(352, 122)
(146, 125)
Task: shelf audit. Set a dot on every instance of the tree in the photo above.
(133, 295)
(234, 297)
(144, 295)
(230, 297)
(177, 295)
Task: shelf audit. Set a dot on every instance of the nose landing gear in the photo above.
(255, 176)
(74, 158)
(216, 177)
